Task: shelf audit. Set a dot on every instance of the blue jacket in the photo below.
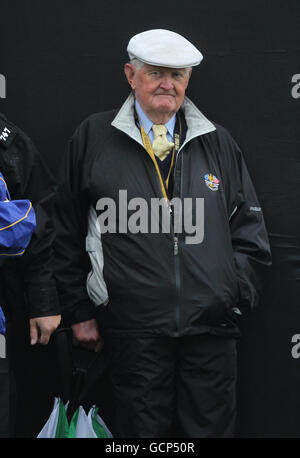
(17, 222)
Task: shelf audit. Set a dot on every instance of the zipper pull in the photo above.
(175, 245)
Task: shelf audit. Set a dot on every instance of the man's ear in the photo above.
(130, 74)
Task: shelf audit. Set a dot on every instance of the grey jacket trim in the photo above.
(96, 287)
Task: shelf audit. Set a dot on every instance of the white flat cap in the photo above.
(163, 48)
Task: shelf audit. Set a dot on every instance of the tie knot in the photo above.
(159, 129)
(161, 146)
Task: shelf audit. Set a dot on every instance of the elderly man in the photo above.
(168, 299)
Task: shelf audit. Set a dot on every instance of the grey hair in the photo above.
(138, 64)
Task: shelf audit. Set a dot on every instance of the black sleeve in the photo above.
(72, 261)
(28, 177)
(250, 241)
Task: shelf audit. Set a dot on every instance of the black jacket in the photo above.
(28, 280)
(156, 282)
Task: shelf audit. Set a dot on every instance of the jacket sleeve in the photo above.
(28, 178)
(250, 242)
(71, 216)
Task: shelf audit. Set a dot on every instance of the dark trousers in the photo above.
(173, 387)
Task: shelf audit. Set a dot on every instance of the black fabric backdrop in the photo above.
(63, 60)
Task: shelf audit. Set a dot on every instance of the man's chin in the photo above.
(165, 107)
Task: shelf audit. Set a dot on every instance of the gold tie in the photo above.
(161, 146)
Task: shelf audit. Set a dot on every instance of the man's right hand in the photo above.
(42, 327)
(86, 335)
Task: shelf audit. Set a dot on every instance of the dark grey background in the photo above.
(64, 60)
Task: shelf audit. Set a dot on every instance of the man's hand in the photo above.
(42, 327)
(86, 335)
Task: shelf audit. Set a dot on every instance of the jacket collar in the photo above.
(197, 123)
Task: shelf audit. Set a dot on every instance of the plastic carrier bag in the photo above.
(68, 418)
(82, 425)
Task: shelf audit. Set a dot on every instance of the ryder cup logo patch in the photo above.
(211, 181)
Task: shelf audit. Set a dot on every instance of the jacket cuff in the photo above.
(42, 302)
(83, 311)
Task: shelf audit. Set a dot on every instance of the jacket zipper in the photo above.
(177, 285)
(177, 259)
(175, 251)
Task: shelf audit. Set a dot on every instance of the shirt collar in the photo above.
(147, 123)
(197, 123)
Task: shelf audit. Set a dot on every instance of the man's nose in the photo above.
(166, 82)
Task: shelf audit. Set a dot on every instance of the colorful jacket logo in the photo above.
(211, 181)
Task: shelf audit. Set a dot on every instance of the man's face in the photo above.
(159, 90)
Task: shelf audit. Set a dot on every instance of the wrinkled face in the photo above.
(159, 90)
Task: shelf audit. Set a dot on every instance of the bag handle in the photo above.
(76, 381)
